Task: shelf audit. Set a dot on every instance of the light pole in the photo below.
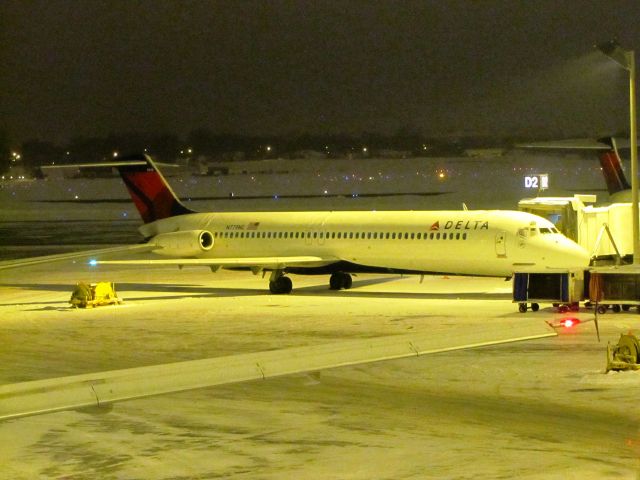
(626, 59)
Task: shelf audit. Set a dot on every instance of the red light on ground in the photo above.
(569, 322)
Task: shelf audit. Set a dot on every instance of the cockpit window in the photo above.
(545, 230)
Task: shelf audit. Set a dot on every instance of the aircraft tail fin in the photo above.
(612, 168)
(149, 190)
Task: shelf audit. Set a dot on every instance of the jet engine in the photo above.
(189, 243)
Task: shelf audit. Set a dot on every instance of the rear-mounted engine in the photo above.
(190, 243)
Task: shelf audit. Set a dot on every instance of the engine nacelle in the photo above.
(190, 243)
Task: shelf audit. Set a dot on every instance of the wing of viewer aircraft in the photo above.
(104, 388)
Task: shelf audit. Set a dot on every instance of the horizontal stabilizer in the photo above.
(100, 389)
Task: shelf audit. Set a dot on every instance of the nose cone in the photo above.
(568, 254)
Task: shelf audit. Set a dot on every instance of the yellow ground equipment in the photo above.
(625, 355)
(94, 295)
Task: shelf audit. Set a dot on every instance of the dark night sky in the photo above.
(266, 67)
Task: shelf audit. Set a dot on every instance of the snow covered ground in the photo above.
(536, 410)
(540, 409)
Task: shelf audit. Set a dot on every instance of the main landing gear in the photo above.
(340, 280)
(279, 284)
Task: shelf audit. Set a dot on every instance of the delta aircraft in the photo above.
(492, 243)
(339, 243)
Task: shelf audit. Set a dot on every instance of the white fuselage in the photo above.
(493, 243)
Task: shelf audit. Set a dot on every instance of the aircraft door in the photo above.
(501, 244)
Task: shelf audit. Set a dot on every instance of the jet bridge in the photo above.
(602, 231)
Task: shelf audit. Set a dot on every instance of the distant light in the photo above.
(326, 191)
(441, 175)
(190, 151)
(93, 262)
(364, 149)
(125, 214)
(268, 148)
(115, 154)
(76, 197)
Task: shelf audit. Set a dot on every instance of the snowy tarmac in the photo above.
(539, 409)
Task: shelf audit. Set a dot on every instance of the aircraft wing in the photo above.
(25, 262)
(105, 388)
(233, 262)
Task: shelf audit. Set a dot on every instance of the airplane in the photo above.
(340, 243)
(490, 243)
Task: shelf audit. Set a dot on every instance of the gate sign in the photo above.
(539, 181)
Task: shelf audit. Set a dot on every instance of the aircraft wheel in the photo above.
(335, 281)
(626, 308)
(535, 307)
(340, 280)
(522, 307)
(281, 285)
(616, 308)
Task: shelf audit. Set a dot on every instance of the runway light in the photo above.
(93, 262)
(569, 322)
